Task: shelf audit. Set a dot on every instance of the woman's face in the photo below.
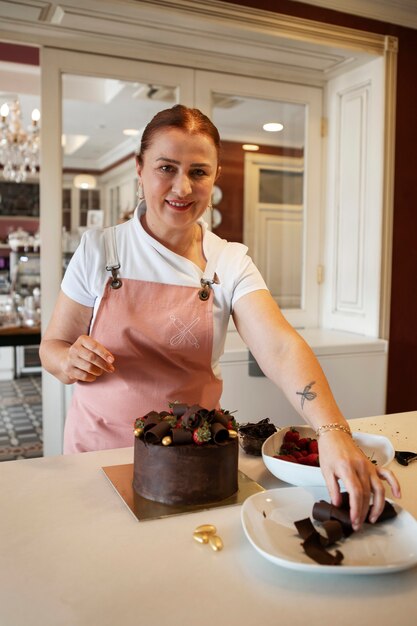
(177, 174)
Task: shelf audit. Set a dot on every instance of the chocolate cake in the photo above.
(186, 456)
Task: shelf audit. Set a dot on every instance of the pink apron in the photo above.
(161, 337)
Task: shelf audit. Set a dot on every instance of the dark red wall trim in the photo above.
(14, 53)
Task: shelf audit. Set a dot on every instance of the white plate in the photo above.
(268, 521)
(376, 447)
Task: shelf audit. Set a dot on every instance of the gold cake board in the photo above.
(121, 477)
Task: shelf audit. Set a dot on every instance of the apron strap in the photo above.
(113, 264)
(112, 258)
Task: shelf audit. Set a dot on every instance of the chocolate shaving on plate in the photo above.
(314, 549)
(323, 512)
(335, 521)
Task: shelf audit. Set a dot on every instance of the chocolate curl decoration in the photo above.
(150, 420)
(192, 417)
(179, 409)
(219, 433)
(211, 416)
(157, 432)
(221, 418)
(181, 437)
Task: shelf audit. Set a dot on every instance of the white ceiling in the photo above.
(401, 12)
(97, 110)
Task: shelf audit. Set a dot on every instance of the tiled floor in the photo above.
(20, 418)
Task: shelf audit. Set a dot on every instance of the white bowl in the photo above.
(376, 447)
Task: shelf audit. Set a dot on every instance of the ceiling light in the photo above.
(273, 127)
(85, 181)
(131, 132)
(250, 147)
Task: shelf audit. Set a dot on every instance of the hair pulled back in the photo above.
(179, 116)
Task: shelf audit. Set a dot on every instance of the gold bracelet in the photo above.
(335, 426)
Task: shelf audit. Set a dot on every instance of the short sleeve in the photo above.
(85, 276)
(238, 273)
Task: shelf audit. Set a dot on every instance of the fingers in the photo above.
(87, 359)
(379, 491)
(363, 485)
(95, 353)
(359, 489)
(359, 493)
(333, 489)
(378, 500)
(391, 479)
(341, 459)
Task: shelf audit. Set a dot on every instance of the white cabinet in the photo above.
(355, 366)
(6, 363)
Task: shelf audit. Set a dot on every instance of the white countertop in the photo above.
(321, 340)
(71, 553)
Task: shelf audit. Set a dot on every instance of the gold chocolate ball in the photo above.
(209, 529)
(138, 432)
(166, 441)
(232, 434)
(216, 543)
(201, 537)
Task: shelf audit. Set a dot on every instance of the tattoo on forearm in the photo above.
(306, 393)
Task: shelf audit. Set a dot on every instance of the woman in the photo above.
(142, 316)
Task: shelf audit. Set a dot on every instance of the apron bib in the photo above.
(161, 337)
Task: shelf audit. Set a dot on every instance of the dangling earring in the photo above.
(139, 192)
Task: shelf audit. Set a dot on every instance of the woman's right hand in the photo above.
(87, 359)
(67, 351)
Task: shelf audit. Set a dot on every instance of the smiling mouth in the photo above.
(180, 206)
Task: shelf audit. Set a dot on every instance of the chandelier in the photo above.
(19, 148)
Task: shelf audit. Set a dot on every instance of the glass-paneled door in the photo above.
(271, 180)
(95, 109)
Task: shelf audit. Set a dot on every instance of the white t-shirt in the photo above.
(143, 258)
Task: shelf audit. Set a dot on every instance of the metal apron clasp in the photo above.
(116, 283)
(204, 292)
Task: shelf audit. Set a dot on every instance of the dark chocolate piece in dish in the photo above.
(335, 521)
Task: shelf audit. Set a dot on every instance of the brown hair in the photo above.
(179, 116)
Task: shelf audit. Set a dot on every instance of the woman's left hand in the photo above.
(341, 458)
